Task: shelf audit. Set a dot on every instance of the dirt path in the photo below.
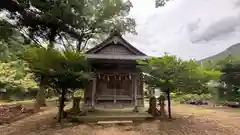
(189, 120)
(30, 123)
(223, 116)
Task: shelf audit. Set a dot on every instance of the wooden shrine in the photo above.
(117, 82)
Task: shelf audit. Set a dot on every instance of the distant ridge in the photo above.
(233, 50)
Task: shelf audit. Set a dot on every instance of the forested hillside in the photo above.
(233, 50)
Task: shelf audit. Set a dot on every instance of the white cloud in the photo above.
(187, 28)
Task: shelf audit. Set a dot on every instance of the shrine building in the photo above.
(117, 81)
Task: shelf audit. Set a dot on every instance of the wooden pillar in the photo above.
(135, 93)
(93, 92)
(142, 90)
(115, 95)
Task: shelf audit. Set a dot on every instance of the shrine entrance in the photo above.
(114, 89)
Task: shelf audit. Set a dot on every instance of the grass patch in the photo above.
(16, 102)
(5, 102)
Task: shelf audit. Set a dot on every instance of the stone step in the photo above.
(127, 117)
(115, 122)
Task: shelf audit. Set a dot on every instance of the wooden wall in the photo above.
(123, 96)
(126, 93)
(115, 49)
(88, 93)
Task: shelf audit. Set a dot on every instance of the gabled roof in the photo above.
(115, 37)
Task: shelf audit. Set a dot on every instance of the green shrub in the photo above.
(173, 95)
(79, 93)
(188, 97)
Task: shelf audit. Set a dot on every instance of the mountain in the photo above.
(233, 50)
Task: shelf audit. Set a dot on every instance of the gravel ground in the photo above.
(188, 120)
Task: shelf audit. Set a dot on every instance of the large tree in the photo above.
(68, 23)
(170, 73)
(231, 74)
(230, 68)
(62, 70)
(70, 20)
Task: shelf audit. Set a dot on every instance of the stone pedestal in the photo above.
(135, 109)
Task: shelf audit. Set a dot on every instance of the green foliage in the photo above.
(231, 74)
(229, 84)
(230, 68)
(15, 79)
(178, 75)
(173, 95)
(14, 75)
(194, 97)
(60, 69)
(6, 31)
(67, 21)
(160, 72)
(79, 93)
(209, 65)
(10, 49)
(228, 94)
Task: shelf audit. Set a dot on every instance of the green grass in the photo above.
(4, 102)
(16, 102)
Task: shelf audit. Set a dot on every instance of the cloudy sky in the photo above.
(186, 28)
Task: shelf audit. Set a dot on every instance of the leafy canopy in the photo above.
(14, 75)
(231, 74)
(61, 69)
(68, 21)
(176, 74)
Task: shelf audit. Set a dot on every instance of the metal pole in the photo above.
(169, 104)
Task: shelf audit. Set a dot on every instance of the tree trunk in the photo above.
(41, 99)
(79, 45)
(169, 104)
(162, 111)
(162, 107)
(52, 35)
(61, 105)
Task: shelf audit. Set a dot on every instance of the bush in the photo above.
(194, 98)
(173, 95)
(79, 93)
